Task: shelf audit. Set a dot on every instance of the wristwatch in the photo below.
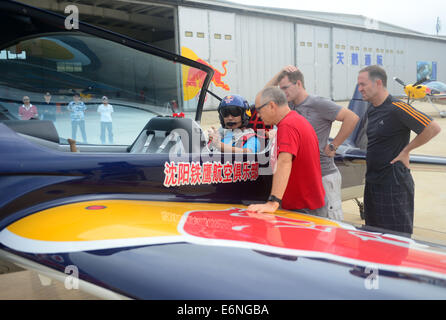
(332, 147)
(275, 199)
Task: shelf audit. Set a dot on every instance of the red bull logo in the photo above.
(228, 99)
(193, 78)
(295, 234)
(217, 74)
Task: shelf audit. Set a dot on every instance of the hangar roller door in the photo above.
(313, 58)
(208, 37)
(264, 47)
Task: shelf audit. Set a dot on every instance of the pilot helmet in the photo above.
(235, 105)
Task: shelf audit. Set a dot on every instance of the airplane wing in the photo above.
(432, 97)
(121, 249)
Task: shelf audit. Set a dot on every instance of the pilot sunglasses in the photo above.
(231, 110)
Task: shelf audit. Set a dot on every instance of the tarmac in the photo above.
(430, 186)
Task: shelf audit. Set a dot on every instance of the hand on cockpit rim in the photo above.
(262, 216)
(268, 207)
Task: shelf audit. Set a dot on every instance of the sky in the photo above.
(419, 15)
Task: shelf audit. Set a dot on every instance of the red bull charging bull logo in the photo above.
(193, 78)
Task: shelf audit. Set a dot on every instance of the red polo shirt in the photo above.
(304, 190)
(26, 114)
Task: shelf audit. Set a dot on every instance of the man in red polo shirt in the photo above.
(297, 181)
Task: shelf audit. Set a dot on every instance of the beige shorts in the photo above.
(333, 197)
(333, 201)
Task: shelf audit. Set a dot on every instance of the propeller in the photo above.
(401, 82)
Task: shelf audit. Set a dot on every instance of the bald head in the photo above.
(273, 94)
(272, 105)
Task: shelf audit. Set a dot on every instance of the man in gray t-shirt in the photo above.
(320, 113)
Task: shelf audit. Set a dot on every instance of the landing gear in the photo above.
(361, 208)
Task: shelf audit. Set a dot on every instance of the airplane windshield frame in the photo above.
(138, 85)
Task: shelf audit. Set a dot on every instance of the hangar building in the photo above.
(247, 45)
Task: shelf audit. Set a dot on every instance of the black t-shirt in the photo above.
(388, 132)
(47, 111)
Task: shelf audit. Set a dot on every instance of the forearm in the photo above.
(349, 121)
(425, 136)
(281, 177)
(280, 182)
(273, 82)
(228, 148)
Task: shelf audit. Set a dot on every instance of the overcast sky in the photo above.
(418, 15)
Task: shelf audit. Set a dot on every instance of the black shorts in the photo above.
(391, 206)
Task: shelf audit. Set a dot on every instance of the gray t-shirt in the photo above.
(321, 113)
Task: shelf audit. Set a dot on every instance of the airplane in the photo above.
(425, 88)
(156, 216)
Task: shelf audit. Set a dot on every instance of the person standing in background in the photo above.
(77, 109)
(48, 109)
(27, 111)
(106, 110)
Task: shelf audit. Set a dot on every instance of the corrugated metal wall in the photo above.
(257, 47)
(264, 46)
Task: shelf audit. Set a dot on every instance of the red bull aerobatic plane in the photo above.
(144, 210)
(425, 89)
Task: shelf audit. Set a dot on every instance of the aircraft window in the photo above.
(137, 85)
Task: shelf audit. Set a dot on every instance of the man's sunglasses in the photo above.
(263, 106)
(231, 110)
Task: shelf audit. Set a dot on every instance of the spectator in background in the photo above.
(77, 114)
(48, 109)
(105, 110)
(27, 110)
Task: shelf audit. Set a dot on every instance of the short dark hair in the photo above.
(293, 77)
(375, 73)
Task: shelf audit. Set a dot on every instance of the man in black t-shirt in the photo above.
(389, 189)
(48, 109)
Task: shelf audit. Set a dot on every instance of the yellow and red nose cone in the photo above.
(415, 92)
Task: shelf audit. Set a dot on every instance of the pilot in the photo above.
(234, 136)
